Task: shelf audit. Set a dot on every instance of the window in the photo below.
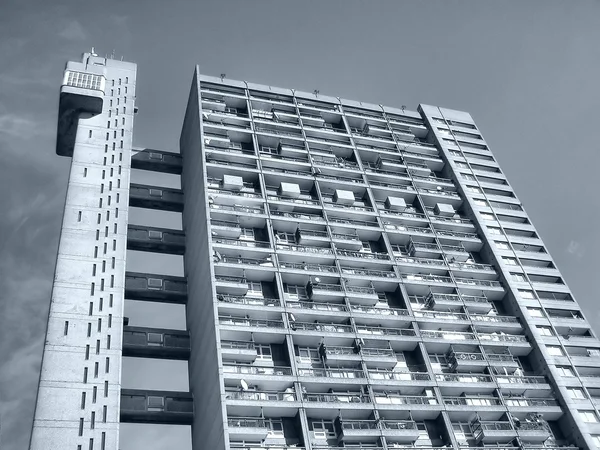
(501, 245)
(510, 261)
(308, 355)
(83, 400)
(323, 429)
(576, 393)
(66, 327)
(275, 427)
(480, 202)
(494, 230)
(588, 416)
(565, 371)
(263, 351)
(525, 293)
(94, 394)
(247, 234)
(81, 426)
(294, 292)
(255, 288)
(545, 331)
(596, 439)
(555, 350)
(518, 277)
(535, 312)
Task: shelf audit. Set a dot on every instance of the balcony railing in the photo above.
(243, 322)
(501, 337)
(363, 255)
(316, 306)
(448, 335)
(463, 378)
(388, 311)
(311, 267)
(324, 327)
(304, 249)
(365, 329)
(337, 398)
(398, 399)
(256, 370)
(381, 374)
(242, 243)
(331, 373)
(421, 261)
(528, 379)
(473, 282)
(301, 216)
(260, 395)
(472, 401)
(238, 208)
(246, 422)
(244, 300)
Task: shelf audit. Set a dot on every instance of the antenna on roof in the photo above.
(93, 52)
(403, 108)
(223, 75)
(316, 92)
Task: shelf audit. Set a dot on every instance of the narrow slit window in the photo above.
(66, 327)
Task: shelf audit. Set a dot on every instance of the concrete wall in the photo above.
(204, 363)
(87, 225)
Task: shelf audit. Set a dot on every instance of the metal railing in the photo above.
(256, 370)
(244, 300)
(374, 330)
(337, 398)
(243, 322)
(331, 373)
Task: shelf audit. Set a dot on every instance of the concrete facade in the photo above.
(356, 276)
(79, 392)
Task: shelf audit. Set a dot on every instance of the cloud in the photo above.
(73, 32)
(575, 248)
(17, 126)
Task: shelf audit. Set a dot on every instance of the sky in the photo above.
(527, 71)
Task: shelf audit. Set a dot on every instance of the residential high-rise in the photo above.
(356, 276)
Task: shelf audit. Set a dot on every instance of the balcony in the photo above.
(158, 240)
(156, 343)
(161, 288)
(443, 302)
(493, 431)
(403, 431)
(466, 361)
(156, 161)
(164, 407)
(406, 377)
(379, 357)
(238, 351)
(357, 430)
(151, 197)
(331, 374)
(236, 286)
(362, 295)
(246, 300)
(355, 400)
(247, 428)
(323, 291)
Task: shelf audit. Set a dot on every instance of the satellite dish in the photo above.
(317, 280)
(206, 141)
(244, 385)
(292, 318)
(439, 188)
(205, 115)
